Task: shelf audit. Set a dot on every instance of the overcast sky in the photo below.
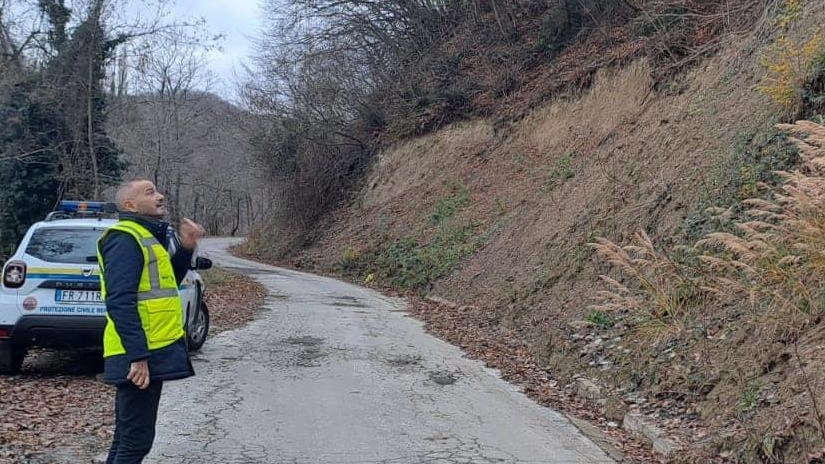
(239, 21)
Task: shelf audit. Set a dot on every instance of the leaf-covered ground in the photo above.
(57, 410)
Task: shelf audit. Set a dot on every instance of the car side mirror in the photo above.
(202, 263)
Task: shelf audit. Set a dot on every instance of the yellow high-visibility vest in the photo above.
(158, 300)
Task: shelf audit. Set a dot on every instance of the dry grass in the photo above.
(452, 143)
(767, 277)
(616, 97)
(774, 261)
(667, 289)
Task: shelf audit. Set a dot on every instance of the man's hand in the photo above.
(190, 232)
(139, 374)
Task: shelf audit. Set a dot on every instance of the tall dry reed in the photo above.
(775, 259)
(663, 287)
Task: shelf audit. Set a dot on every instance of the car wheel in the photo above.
(11, 358)
(200, 328)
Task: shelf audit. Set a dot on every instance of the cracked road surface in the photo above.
(331, 373)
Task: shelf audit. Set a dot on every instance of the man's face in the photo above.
(146, 200)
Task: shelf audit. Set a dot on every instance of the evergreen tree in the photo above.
(53, 142)
(31, 138)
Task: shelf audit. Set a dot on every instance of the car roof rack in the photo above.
(69, 209)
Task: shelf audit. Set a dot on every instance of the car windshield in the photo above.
(69, 245)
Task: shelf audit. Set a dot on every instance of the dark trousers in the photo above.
(136, 412)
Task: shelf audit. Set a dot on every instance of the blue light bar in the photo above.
(81, 206)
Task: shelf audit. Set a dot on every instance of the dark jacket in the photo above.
(123, 264)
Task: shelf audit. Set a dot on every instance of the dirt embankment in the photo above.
(498, 217)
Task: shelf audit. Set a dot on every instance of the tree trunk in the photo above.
(93, 43)
(195, 212)
(176, 201)
(249, 213)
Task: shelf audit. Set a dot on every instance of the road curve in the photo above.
(331, 373)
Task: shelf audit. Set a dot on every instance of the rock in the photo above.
(614, 409)
(641, 426)
(598, 438)
(585, 388)
(665, 446)
(441, 301)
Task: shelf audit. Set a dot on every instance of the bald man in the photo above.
(143, 343)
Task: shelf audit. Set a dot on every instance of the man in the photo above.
(143, 342)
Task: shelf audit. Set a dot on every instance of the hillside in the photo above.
(194, 147)
(498, 215)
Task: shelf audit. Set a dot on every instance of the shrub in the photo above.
(813, 93)
(790, 66)
(559, 25)
(350, 259)
(447, 207)
(748, 171)
(600, 319)
(791, 11)
(408, 264)
(561, 171)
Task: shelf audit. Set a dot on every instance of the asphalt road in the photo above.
(335, 373)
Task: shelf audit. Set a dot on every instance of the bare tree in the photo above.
(187, 140)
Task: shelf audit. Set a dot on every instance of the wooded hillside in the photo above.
(592, 197)
(341, 80)
(91, 93)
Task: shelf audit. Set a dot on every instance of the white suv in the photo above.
(50, 293)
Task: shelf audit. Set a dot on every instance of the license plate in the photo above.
(77, 296)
